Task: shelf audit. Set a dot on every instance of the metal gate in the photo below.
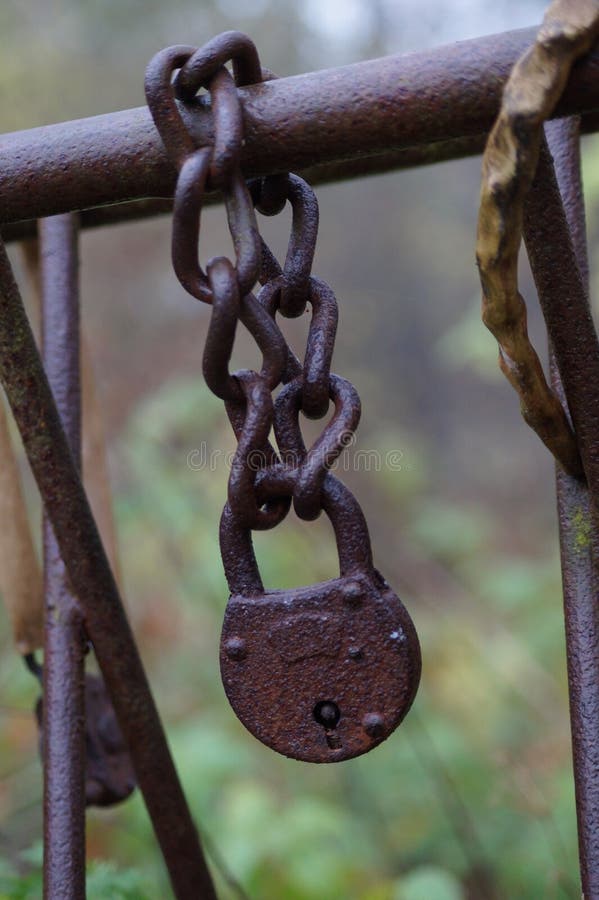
(396, 112)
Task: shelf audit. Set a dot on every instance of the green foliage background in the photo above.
(473, 796)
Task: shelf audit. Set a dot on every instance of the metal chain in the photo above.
(509, 163)
(262, 481)
(337, 699)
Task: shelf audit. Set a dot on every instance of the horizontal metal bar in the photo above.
(133, 210)
(367, 108)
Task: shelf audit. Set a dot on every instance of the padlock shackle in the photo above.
(239, 559)
(339, 504)
(349, 524)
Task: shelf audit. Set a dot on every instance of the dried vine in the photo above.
(535, 85)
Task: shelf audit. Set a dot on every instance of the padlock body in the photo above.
(347, 645)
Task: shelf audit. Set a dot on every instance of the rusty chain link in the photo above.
(509, 163)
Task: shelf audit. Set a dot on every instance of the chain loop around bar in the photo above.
(177, 140)
(218, 165)
(230, 46)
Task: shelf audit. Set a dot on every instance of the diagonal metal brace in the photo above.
(26, 386)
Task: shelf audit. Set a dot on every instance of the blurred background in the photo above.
(473, 796)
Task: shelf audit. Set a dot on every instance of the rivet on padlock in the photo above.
(320, 673)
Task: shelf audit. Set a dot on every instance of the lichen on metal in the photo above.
(530, 96)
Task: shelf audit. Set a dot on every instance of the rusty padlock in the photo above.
(109, 774)
(320, 673)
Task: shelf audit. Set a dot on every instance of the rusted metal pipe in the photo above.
(26, 386)
(134, 210)
(576, 503)
(359, 110)
(65, 641)
(325, 173)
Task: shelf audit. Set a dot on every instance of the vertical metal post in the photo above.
(64, 640)
(556, 242)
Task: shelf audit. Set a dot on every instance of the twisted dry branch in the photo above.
(569, 29)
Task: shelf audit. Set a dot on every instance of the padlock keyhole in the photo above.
(327, 714)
